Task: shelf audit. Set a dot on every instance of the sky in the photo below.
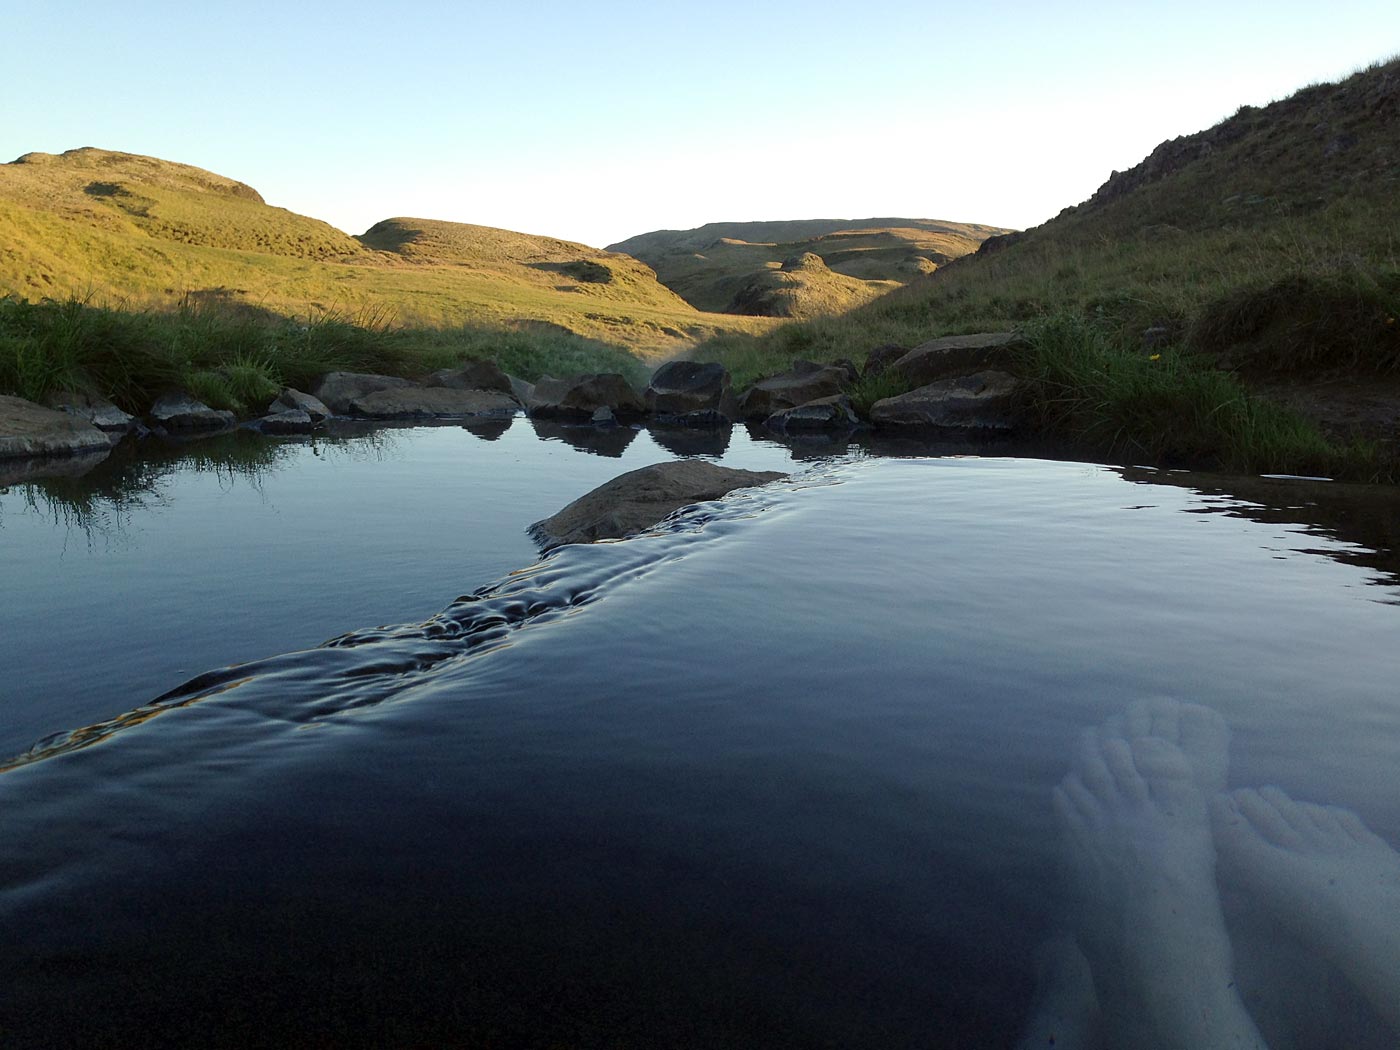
(594, 121)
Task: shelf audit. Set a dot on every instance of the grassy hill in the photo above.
(120, 227)
(733, 267)
(1262, 253)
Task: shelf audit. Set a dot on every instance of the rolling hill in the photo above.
(121, 227)
(766, 268)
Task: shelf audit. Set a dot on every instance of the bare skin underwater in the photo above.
(1150, 834)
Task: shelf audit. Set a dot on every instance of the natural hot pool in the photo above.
(780, 773)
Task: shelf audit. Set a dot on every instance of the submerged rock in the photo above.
(29, 430)
(432, 402)
(180, 411)
(580, 396)
(640, 499)
(956, 355)
(691, 393)
(290, 400)
(981, 402)
(806, 382)
(338, 389)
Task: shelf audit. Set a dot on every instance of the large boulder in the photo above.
(29, 430)
(473, 375)
(791, 389)
(581, 396)
(98, 411)
(984, 402)
(827, 413)
(290, 400)
(338, 389)
(640, 499)
(432, 402)
(957, 355)
(180, 411)
(692, 392)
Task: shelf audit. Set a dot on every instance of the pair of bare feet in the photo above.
(1146, 823)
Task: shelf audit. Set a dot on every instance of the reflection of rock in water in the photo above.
(692, 441)
(488, 429)
(599, 441)
(17, 471)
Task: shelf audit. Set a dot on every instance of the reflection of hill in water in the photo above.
(1365, 517)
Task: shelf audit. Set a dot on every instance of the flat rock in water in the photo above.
(27, 429)
(290, 400)
(807, 382)
(640, 499)
(580, 396)
(98, 411)
(290, 421)
(338, 389)
(827, 413)
(180, 411)
(956, 355)
(432, 402)
(981, 402)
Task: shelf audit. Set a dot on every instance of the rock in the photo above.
(431, 402)
(31, 430)
(639, 499)
(338, 389)
(474, 375)
(580, 396)
(521, 390)
(98, 411)
(956, 355)
(827, 413)
(789, 390)
(849, 367)
(180, 411)
(290, 421)
(882, 357)
(692, 393)
(603, 417)
(15, 470)
(290, 400)
(981, 402)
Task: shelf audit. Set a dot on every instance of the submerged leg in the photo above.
(1326, 875)
(1065, 1014)
(1133, 810)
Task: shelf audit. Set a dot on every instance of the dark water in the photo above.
(778, 774)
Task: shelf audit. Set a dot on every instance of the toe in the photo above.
(1266, 820)
(1119, 757)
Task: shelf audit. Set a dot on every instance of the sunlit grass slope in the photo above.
(729, 266)
(116, 227)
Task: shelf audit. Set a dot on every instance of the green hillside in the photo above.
(110, 226)
(1262, 253)
(730, 266)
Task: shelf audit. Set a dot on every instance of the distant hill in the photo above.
(730, 266)
(120, 226)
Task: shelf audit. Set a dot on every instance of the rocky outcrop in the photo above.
(99, 412)
(791, 389)
(473, 375)
(640, 499)
(983, 402)
(581, 396)
(956, 356)
(295, 401)
(181, 412)
(338, 389)
(827, 413)
(432, 402)
(692, 393)
(30, 430)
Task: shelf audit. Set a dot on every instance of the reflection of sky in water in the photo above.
(809, 751)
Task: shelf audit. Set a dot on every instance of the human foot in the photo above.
(1199, 732)
(1065, 1014)
(1325, 874)
(1142, 864)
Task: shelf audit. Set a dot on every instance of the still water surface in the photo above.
(778, 774)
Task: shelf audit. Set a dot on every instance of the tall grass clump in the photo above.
(1088, 384)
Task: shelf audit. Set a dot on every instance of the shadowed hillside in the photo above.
(732, 266)
(121, 227)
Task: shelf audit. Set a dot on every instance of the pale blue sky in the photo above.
(597, 120)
